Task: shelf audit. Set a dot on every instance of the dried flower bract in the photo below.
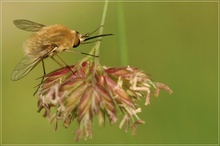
(88, 89)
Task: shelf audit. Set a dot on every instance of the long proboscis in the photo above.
(97, 36)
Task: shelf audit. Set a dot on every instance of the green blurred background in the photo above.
(175, 42)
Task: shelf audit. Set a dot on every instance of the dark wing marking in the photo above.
(28, 25)
(24, 67)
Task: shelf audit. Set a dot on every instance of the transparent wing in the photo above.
(24, 67)
(28, 25)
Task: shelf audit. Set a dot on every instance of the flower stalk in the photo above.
(87, 89)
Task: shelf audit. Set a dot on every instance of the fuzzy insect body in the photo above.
(46, 41)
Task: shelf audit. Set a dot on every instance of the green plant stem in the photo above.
(95, 49)
(123, 53)
(97, 45)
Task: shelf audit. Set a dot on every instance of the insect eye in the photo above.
(76, 43)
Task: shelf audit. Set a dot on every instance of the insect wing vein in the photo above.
(28, 25)
(24, 67)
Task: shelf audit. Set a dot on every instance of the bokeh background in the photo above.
(175, 42)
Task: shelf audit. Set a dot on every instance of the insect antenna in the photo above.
(91, 41)
(97, 36)
(89, 33)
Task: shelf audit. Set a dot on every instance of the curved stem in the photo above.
(95, 49)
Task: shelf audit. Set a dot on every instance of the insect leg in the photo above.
(74, 51)
(42, 77)
(58, 62)
(63, 62)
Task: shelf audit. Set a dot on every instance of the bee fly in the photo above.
(46, 41)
